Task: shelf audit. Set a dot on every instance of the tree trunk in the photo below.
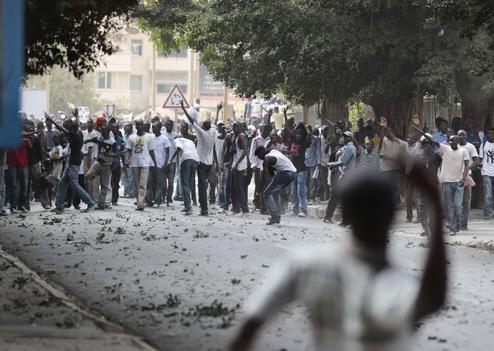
(474, 102)
(331, 112)
(399, 114)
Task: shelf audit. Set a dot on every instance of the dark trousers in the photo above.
(258, 188)
(116, 175)
(333, 197)
(279, 182)
(203, 173)
(168, 182)
(18, 183)
(239, 199)
(154, 186)
(411, 200)
(324, 190)
(213, 185)
(72, 196)
(187, 174)
(394, 181)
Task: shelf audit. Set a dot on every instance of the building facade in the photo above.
(138, 77)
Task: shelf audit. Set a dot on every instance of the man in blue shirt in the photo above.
(441, 136)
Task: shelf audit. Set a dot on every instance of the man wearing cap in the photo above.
(452, 176)
(432, 162)
(347, 159)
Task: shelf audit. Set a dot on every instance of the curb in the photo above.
(105, 325)
(319, 211)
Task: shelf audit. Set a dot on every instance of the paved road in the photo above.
(179, 281)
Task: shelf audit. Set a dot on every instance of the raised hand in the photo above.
(383, 122)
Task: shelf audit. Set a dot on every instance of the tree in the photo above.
(379, 52)
(71, 34)
(470, 26)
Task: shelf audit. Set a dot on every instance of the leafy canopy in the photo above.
(71, 34)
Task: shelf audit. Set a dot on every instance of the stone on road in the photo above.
(181, 282)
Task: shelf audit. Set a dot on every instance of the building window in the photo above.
(165, 88)
(136, 47)
(104, 80)
(174, 53)
(135, 83)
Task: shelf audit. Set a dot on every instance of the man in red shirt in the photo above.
(17, 162)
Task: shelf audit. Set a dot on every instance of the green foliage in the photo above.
(71, 34)
(384, 53)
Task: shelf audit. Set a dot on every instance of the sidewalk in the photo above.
(480, 234)
(36, 316)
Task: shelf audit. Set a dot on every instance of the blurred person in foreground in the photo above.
(357, 300)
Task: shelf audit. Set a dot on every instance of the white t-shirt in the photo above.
(282, 162)
(140, 147)
(453, 164)
(205, 144)
(85, 147)
(242, 165)
(189, 151)
(352, 307)
(161, 143)
(256, 162)
(487, 155)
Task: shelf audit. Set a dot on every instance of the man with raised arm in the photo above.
(205, 150)
(356, 299)
(452, 176)
(70, 175)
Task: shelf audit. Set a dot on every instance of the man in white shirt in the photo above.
(256, 163)
(283, 172)
(452, 176)
(355, 298)
(487, 155)
(189, 159)
(90, 152)
(474, 162)
(106, 149)
(140, 147)
(154, 189)
(205, 149)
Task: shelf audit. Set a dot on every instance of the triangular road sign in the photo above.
(175, 98)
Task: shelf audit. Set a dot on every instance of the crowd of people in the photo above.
(163, 161)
